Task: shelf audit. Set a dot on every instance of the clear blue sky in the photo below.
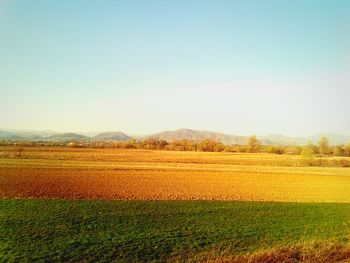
(239, 67)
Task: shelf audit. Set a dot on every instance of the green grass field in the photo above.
(84, 205)
(67, 230)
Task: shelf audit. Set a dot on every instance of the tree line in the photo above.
(253, 145)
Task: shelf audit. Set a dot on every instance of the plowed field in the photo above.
(54, 172)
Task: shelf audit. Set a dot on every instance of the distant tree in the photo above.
(207, 145)
(131, 144)
(309, 150)
(150, 143)
(161, 144)
(338, 150)
(347, 149)
(188, 145)
(154, 143)
(323, 145)
(277, 149)
(294, 150)
(179, 145)
(254, 144)
(219, 147)
(229, 148)
(241, 148)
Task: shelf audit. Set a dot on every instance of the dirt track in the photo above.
(53, 176)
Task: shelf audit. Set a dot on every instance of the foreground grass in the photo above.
(61, 230)
(314, 252)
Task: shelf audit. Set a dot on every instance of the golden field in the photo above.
(79, 173)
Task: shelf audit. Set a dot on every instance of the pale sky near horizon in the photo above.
(239, 66)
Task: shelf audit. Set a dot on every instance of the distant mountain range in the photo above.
(236, 139)
(180, 134)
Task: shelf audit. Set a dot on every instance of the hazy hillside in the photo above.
(66, 137)
(284, 140)
(24, 134)
(111, 136)
(196, 135)
(288, 140)
(4, 135)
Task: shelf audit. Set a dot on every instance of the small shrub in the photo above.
(344, 163)
(276, 149)
(317, 162)
(293, 150)
(19, 152)
(307, 152)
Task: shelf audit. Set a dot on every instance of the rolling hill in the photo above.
(197, 135)
(111, 136)
(66, 137)
(189, 134)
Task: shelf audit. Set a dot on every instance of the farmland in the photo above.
(62, 230)
(74, 204)
(167, 175)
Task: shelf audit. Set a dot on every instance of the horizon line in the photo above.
(172, 130)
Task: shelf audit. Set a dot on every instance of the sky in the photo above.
(238, 66)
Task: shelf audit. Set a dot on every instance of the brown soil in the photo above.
(166, 179)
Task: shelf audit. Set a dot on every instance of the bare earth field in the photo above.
(36, 228)
(75, 173)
